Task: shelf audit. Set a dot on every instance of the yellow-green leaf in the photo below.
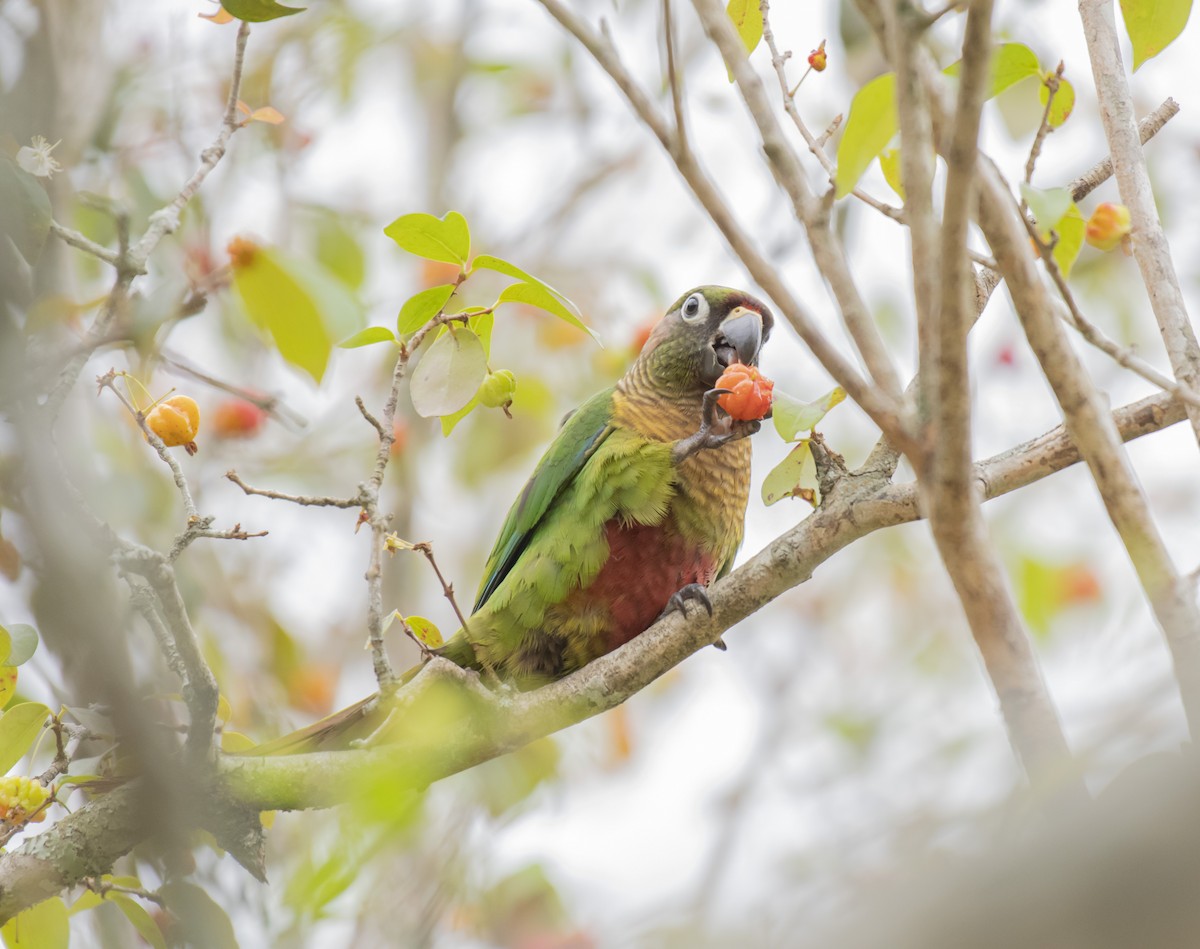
(747, 20)
(794, 477)
(1071, 230)
(45, 925)
(365, 337)
(499, 265)
(8, 684)
(450, 421)
(421, 307)
(142, 921)
(791, 416)
(19, 729)
(259, 11)
(889, 164)
(1064, 102)
(871, 122)
(448, 374)
(447, 239)
(1152, 25)
(425, 631)
(870, 125)
(305, 310)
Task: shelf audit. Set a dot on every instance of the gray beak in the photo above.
(743, 330)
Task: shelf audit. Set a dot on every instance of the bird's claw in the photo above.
(713, 432)
(679, 600)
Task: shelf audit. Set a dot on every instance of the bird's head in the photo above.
(704, 332)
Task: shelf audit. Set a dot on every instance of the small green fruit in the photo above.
(497, 389)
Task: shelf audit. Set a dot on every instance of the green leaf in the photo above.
(46, 925)
(791, 416)
(747, 20)
(870, 125)
(871, 122)
(142, 921)
(305, 309)
(1071, 230)
(339, 252)
(372, 334)
(1048, 206)
(1011, 62)
(446, 239)
(1064, 102)
(421, 307)
(1152, 25)
(203, 922)
(448, 375)
(19, 729)
(482, 326)
(450, 421)
(258, 11)
(24, 210)
(794, 477)
(5, 644)
(487, 262)
(537, 294)
(23, 643)
(425, 631)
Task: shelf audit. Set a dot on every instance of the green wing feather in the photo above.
(582, 432)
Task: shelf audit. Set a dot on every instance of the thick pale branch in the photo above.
(1150, 247)
(87, 842)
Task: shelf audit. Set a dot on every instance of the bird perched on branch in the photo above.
(635, 508)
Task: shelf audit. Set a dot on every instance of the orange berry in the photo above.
(176, 421)
(750, 392)
(241, 252)
(1108, 226)
(817, 58)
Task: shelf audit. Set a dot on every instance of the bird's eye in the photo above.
(694, 308)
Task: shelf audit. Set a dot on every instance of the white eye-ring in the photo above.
(694, 309)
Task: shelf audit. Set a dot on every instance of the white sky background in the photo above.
(629, 846)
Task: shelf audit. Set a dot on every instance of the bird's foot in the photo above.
(714, 431)
(678, 602)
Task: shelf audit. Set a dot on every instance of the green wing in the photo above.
(581, 433)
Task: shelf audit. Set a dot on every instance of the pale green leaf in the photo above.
(448, 374)
(365, 337)
(482, 326)
(19, 729)
(45, 925)
(795, 476)
(447, 239)
(791, 416)
(1153, 25)
(23, 643)
(24, 210)
(142, 921)
(88, 899)
(259, 11)
(421, 307)
(202, 921)
(1047, 206)
(339, 252)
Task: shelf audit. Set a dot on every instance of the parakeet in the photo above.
(637, 505)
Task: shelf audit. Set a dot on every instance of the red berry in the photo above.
(750, 392)
(816, 59)
(237, 418)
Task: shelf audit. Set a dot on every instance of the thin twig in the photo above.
(673, 79)
(88, 246)
(306, 500)
(1100, 172)
(1052, 83)
(426, 548)
(271, 404)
